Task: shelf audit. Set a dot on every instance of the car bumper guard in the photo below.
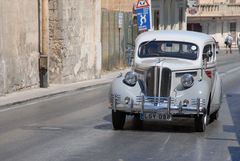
(167, 105)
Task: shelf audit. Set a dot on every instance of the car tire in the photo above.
(118, 120)
(137, 122)
(201, 123)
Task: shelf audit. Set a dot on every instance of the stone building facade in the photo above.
(169, 14)
(19, 45)
(216, 18)
(74, 42)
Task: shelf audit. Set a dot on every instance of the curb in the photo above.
(28, 100)
(55, 90)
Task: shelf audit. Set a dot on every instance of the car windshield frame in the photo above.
(172, 49)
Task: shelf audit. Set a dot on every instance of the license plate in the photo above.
(157, 116)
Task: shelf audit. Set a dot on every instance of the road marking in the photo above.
(230, 71)
(50, 128)
(166, 141)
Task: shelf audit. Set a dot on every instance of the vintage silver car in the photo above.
(173, 75)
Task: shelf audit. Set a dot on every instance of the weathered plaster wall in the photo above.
(75, 40)
(115, 37)
(169, 12)
(116, 5)
(19, 43)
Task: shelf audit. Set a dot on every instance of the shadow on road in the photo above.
(233, 101)
(131, 124)
(176, 126)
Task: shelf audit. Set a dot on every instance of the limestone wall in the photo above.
(118, 5)
(75, 40)
(19, 41)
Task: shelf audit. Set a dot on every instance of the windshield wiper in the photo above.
(149, 41)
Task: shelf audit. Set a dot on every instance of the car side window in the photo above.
(208, 49)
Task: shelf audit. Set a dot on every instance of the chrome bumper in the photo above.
(166, 105)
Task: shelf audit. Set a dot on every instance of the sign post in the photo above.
(120, 20)
(143, 15)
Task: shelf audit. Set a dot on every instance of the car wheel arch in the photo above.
(209, 105)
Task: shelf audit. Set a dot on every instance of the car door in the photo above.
(210, 69)
(217, 86)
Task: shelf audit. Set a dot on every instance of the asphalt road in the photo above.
(77, 127)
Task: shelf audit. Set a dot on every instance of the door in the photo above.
(233, 27)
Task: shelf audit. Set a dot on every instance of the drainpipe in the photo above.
(44, 57)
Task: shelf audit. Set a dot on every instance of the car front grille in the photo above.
(155, 78)
(166, 82)
(152, 81)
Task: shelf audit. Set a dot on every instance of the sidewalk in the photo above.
(54, 89)
(222, 56)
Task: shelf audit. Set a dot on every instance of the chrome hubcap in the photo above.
(205, 120)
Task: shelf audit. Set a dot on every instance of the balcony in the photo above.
(216, 10)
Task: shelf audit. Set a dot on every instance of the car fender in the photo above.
(118, 87)
(216, 93)
(200, 89)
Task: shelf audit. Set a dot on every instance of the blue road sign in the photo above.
(143, 17)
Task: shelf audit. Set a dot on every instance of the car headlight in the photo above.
(130, 79)
(187, 80)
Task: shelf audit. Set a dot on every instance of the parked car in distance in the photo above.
(173, 75)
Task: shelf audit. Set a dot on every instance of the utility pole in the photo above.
(44, 56)
(120, 19)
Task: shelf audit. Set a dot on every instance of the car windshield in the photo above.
(182, 50)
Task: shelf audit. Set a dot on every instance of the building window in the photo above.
(194, 27)
(233, 27)
(222, 28)
(232, 1)
(156, 20)
(180, 18)
(208, 25)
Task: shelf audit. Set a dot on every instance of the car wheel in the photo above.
(138, 123)
(118, 119)
(201, 123)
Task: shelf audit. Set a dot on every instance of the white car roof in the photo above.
(174, 35)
